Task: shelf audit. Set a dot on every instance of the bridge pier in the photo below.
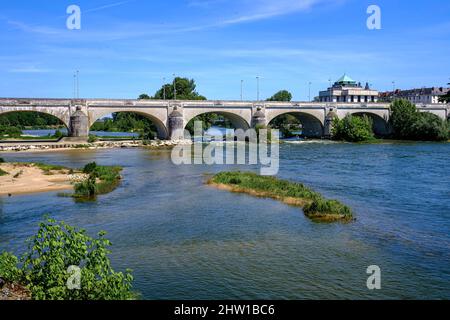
(259, 119)
(176, 125)
(79, 126)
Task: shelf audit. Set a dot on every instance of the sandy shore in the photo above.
(24, 179)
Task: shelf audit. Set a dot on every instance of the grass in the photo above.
(314, 205)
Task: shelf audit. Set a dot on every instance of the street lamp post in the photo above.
(309, 91)
(174, 87)
(78, 84)
(257, 88)
(242, 90)
(164, 88)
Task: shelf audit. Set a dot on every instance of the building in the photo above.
(416, 96)
(347, 90)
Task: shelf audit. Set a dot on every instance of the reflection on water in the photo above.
(185, 240)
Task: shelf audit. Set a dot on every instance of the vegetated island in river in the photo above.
(25, 178)
(314, 205)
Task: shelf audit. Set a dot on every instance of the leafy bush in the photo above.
(92, 138)
(56, 247)
(101, 180)
(2, 160)
(58, 134)
(8, 267)
(3, 173)
(90, 167)
(353, 129)
(320, 208)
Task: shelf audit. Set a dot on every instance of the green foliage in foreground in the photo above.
(314, 205)
(45, 266)
(3, 173)
(101, 180)
(353, 129)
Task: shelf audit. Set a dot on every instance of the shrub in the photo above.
(58, 134)
(102, 180)
(353, 129)
(320, 208)
(58, 246)
(2, 160)
(92, 138)
(8, 267)
(90, 167)
(3, 173)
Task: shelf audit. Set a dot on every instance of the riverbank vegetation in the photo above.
(353, 129)
(100, 180)
(64, 263)
(314, 205)
(410, 124)
(406, 123)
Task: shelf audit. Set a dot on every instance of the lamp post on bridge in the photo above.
(242, 90)
(257, 88)
(164, 88)
(174, 87)
(309, 91)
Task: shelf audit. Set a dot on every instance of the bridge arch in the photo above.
(237, 120)
(61, 115)
(162, 130)
(313, 126)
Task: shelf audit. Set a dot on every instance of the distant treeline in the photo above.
(24, 119)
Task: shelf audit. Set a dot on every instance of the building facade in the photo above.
(416, 96)
(347, 90)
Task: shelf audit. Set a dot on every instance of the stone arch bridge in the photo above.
(170, 116)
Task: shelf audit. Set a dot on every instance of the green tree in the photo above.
(429, 127)
(144, 96)
(353, 129)
(445, 98)
(282, 95)
(186, 90)
(403, 116)
(410, 124)
(58, 246)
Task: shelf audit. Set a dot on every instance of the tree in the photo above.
(282, 95)
(144, 96)
(403, 117)
(410, 124)
(185, 90)
(446, 98)
(353, 129)
(428, 127)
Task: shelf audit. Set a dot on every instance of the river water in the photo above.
(185, 240)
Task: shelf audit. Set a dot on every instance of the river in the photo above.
(185, 240)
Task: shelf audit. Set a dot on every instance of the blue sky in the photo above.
(125, 48)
